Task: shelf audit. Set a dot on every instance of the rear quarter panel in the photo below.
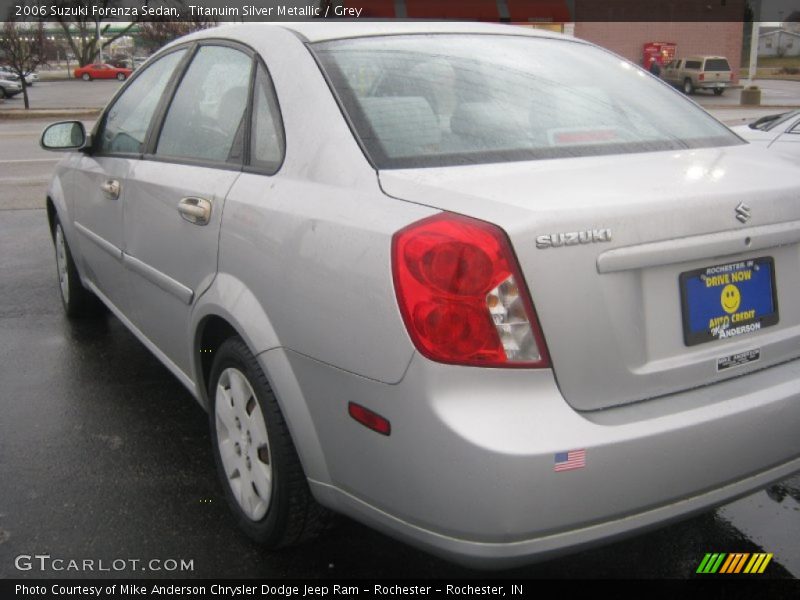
(311, 245)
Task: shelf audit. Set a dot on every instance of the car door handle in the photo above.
(195, 210)
(111, 188)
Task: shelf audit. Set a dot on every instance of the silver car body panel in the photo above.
(299, 264)
(99, 221)
(172, 260)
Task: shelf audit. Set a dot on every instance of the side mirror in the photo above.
(66, 135)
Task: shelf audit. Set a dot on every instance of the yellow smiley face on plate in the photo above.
(730, 299)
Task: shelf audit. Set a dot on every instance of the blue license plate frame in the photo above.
(712, 310)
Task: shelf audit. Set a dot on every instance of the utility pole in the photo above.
(751, 69)
(755, 6)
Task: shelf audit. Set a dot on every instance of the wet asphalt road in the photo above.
(105, 456)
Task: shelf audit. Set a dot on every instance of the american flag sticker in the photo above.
(567, 461)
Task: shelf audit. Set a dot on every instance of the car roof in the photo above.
(319, 31)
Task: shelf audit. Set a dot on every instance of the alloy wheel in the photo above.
(61, 264)
(243, 443)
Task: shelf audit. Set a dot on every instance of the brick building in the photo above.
(627, 39)
(623, 26)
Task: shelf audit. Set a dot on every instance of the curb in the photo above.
(40, 113)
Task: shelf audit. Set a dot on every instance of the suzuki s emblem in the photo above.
(743, 212)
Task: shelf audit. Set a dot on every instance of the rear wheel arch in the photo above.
(216, 324)
(212, 332)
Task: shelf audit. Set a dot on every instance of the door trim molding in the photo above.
(165, 282)
(99, 241)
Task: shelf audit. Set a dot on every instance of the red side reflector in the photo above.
(369, 419)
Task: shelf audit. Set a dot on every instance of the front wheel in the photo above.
(3, 93)
(76, 299)
(86, 77)
(688, 86)
(256, 460)
(121, 76)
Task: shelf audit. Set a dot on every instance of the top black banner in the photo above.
(513, 11)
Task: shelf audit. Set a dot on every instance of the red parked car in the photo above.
(102, 71)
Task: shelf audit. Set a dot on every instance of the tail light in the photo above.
(701, 77)
(462, 296)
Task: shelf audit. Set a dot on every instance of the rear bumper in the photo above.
(501, 555)
(711, 85)
(468, 471)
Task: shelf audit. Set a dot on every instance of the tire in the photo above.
(718, 91)
(3, 93)
(688, 87)
(256, 460)
(78, 302)
(86, 77)
(121, 76)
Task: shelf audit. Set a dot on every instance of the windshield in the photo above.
(436, 100)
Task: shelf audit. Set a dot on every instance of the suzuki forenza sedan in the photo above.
(494, 292)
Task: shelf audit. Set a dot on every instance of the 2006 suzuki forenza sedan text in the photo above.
(497, 293)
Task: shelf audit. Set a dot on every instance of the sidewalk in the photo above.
(778, 93)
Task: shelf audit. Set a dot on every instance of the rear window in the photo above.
(453, 99)
(692, 64)
(717, 64)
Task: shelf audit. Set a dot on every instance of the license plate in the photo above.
(729, 300)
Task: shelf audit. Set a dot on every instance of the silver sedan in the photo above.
(497, 293)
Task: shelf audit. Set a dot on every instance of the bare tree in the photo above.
(24, 48)
(86, 35)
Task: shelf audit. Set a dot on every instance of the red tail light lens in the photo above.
(462, 296)
(701, 77)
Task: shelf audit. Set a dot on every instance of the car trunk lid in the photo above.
(610, 304)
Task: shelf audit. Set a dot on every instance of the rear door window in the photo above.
(692, 64)
(266, 141)
(206, 118)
